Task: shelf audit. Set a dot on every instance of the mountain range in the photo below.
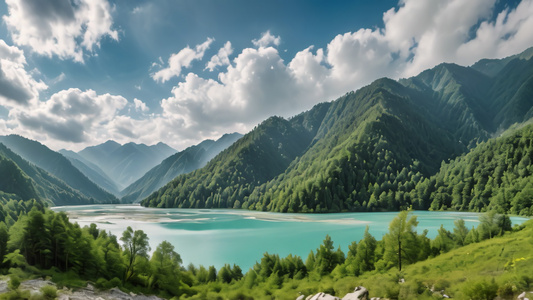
(56, 165)
(125, 163)
(182, 162)
(31, 170)
(426, 142)
(24, 180)
(368, 150)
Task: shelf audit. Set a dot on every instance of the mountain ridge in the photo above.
(182, 162)
(57, 165)
(125, 163)
(371, 147)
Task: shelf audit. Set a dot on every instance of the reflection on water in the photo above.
(215, 237)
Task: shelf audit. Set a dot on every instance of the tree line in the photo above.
(42, 242)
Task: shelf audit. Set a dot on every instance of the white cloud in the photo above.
(59, 78)
(266, 40)
(70, 115)
(417, 35)
(182, 59)
(140, 106)
(258, 83)
(221, 58)
(17, 86)
(62, 27)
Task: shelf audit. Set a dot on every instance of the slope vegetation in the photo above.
(27, 181)
(369, 149)
(182, 162)
(57, 165)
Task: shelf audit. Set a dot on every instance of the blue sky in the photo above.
(77, 73)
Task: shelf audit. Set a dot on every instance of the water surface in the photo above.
(218, 236)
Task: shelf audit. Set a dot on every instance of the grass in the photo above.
(500, 266)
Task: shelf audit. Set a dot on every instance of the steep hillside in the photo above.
(57, 165)
(371, 147)
(14, 180)
(29, 181)
(92, 171)
(126, 163)
(370, 144)
(182, 162)
(254, 159)
(496, 174)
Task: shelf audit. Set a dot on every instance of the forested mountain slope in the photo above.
(254, 159)
(497, 174)
(92, 171)
(57, 165)
(27, 181)
(369, 149)
(182, 162)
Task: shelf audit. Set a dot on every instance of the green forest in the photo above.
(451, 137)
(36, 242)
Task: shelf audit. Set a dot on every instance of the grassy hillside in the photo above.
(498, 266)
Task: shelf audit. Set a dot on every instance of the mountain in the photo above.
(92, 171)
(125, 163)
(57, 165)
(497, 174)
(182, 162)
(368, 149)
(27, 181)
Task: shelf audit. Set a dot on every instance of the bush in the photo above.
(49, 292)
(481, 290)
(14, 282)
(115, 282)
(240, 296)
(507, 291)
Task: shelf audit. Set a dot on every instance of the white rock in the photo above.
(323, 296)
(360, 293)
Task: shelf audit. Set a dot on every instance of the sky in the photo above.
(76, 73)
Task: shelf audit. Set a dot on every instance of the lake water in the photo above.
(219, 236)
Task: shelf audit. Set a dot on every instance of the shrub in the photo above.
(49, 292)
(14, 282)
(507, 291)
(481, 290)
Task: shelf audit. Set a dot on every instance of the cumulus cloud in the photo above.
(62, 27)
(17, 86)
(418, 34)
(140, 106)
(221, 58)
(182, 59)
(258, 83)
(266, 40)
(71, 115)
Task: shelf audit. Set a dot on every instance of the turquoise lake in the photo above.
(218, 236)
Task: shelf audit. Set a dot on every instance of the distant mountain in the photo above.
(125, 163)
(182, 162)
(57, 165)
(92, 171)
(27, 181)
(367, 150)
